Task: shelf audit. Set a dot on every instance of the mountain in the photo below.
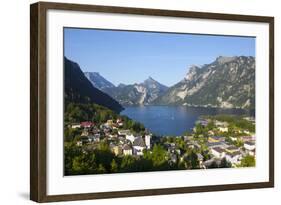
(98, 81)
(228, 82)
(78, 89)
(137, 94)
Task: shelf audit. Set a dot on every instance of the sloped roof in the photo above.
(86, 124)
(139, 142)
(233, 154)
(218, 149)
(250, 143)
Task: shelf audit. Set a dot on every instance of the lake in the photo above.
(174, 120)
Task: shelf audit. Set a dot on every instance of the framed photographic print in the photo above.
(135, 102)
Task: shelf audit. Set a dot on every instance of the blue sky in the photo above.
(131, 57)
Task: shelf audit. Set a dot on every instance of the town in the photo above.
(215, 142)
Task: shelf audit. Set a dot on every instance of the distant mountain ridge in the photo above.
(78, 89)
(228, 82)
(137, 94)
(98, 81)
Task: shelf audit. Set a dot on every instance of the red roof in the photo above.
(86, 124)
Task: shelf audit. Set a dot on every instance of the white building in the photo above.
(124, 132)
(75, 125)
(127, 150)
(221, 124)
(223, 129)
(147, 141)
(234, 158)
(138, 146)
(233, 138)
(79, 143)
(252, 152)
(218, 152)
(249, 145)
(130, 137)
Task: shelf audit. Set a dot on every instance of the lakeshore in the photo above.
(120, 145)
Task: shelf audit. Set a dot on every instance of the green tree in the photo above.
(84, 164)
(101, 169)
(239, 143)
(104, 155)
(248, 161)
(127, 163)
(199, 129)
(158, 156)
(114, 166)
(191, 160)
(70, 134)
(70, 151)
(211, 125)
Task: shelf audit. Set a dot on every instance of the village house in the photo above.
(204, 123)
(124, 132)
(232, 149)
(94, 138)
(211, 132)
(75, 125)
(251, 119)
(213, 139)
(221, 124)
(86, 124)
(249, 145)
(85, 133)
(109, 123)
(193, 145)
(248, 138)
(130, 137)
(138, 146)
(234, 138)
(119, 122)
(95, 130)
(233, 157)
(218, 152)
(127, 150)
(222, 144)
(121, 138)
(127, 134)
(111, 136)
(252, 152)
(188, 138)
(147, 140)
(107, 130)
(246, 132)
(114, 126)
(223, 129)
(116, 149)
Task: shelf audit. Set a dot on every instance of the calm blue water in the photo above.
(173, 120)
